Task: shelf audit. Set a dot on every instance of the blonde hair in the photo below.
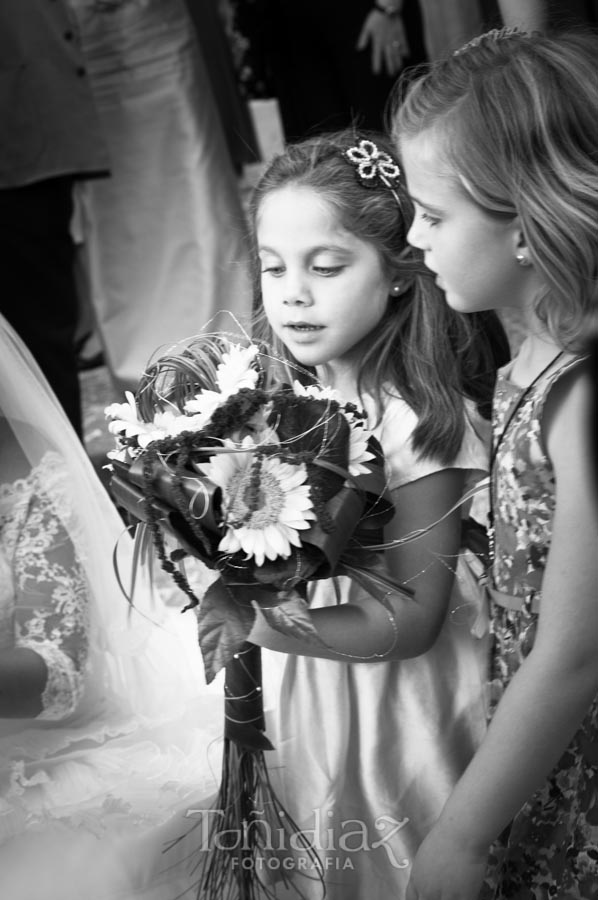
(517, 118)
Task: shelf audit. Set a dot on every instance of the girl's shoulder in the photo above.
(404, 464)
(566, 408)
(560, 365)
(549, 390)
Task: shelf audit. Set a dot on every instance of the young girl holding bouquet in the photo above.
(500, 149)
(374, 726)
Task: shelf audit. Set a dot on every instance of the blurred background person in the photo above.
(531, 15)
(164, 237)
(209, 22)
(51, 139)
(333, 63)
(448, 24)
(555, 15)
(541, 15)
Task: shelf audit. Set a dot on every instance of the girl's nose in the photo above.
(415, 235)
(297, 294)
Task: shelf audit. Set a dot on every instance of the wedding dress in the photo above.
(128, 740)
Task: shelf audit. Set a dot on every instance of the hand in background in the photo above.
(388, 40)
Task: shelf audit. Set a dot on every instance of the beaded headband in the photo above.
(374, 166)
(494, 36)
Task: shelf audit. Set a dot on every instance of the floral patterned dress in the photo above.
(551, 848)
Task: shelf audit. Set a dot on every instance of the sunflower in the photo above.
(266, 501)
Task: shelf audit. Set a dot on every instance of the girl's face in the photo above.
(323, 288)
(472, 253)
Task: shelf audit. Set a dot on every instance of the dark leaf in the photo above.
(291, 617)
(224, 622)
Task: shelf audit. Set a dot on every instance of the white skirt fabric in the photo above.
(165, 235)
(92, 814)
(366, 754)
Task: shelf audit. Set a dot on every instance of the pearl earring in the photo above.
(523, 260)
(395, 290)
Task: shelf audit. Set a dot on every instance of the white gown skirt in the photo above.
(165, 234)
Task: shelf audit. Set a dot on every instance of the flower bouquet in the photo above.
(224, 457)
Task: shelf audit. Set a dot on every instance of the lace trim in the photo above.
(50, 594)
(64, 686)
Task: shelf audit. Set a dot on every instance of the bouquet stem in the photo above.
(249, 829)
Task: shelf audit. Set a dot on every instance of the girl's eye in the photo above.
(431, 220)
(275, 271)
(328, 271)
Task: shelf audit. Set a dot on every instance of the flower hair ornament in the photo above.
(374, 166)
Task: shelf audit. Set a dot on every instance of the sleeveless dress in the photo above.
(551, 848)
(366, 754)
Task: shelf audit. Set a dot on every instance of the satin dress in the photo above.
(366, 754)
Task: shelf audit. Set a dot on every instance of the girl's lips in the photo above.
(303, 326)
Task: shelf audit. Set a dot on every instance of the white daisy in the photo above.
(358, 447)
(236, 370)
(316, 391)
(124, 416)
(233, 373)
(205, 404)
(358, 452)
(125, 422)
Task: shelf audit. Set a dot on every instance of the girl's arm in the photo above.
(548, 697)
(363, 627)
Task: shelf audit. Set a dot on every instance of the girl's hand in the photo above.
(445, 869)
(388, 41)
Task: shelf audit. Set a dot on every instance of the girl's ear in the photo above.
(398, 288)
(399, 284)
(521, 250)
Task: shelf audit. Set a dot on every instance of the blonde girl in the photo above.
(500, 149)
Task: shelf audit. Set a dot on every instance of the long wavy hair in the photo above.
(421, 349)
(516, 117)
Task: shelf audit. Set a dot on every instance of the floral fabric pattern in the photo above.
(44, 604)
(550, 851)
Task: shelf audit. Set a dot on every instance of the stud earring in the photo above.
(523, 260)
(395, 290)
